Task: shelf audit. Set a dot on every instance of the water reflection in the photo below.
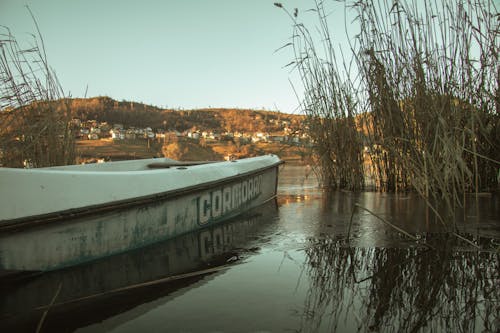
(92, 292)
(400, 289)
(298, 274)
(329, 213)
(383, 281)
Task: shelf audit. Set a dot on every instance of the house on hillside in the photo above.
(259, 137)
(117, 134)
(84, 132)
(148, 135)
(214, 136)
(130, 134)
(90, 123)
(96, 130)
(227, 136)
(193, 135)
(277, 138)
(76, 122)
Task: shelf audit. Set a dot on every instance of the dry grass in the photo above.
(185, 149)
(431, 75)
(107, 149)
(330, 104)
(426, 91)
(34, 131)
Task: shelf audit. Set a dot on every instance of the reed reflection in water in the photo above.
(408, 289)
(384, 282)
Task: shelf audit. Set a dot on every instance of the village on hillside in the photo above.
(99, 141)
(94, 130)
(104, 129)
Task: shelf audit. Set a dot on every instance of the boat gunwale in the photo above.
(22, 223)
(149, 168)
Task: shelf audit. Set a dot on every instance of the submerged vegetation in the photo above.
(33, 130)
(416, 105)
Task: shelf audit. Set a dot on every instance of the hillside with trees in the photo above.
(103, 128)
(105, 109)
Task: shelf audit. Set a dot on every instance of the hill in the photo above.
(105, 109)
(202, 134)
(216, 120)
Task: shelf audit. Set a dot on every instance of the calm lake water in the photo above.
(285, 267)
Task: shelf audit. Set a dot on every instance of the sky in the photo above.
(173, 54)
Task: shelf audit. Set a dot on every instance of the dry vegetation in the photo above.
(35, 117)
(185, 149)
(424, 78)
(32, 129)
(106, 149)
(142, 115)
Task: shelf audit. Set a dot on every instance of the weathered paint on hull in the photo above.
(67, 243)
(93, 284)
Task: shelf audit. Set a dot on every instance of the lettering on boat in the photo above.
(227, 199)
(215, 241)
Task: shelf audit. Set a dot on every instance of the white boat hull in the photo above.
(58, 217)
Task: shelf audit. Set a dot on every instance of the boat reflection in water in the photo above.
(94, 291)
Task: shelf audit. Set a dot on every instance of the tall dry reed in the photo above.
(424, 104)
(330, 103)
(430, 72)
(35, 119)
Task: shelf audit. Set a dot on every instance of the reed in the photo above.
(431, 74)
(330, 104)
(35, 117)
(424, 104)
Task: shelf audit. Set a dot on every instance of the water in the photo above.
(285, 267)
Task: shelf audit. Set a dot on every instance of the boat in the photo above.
(137, 280)
(62, 216)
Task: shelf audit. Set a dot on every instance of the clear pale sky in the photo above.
(175, 54)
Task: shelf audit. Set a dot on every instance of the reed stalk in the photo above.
(330, 104)
(45, 313)
(35, 117)
(431, 73)
(422, 99)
